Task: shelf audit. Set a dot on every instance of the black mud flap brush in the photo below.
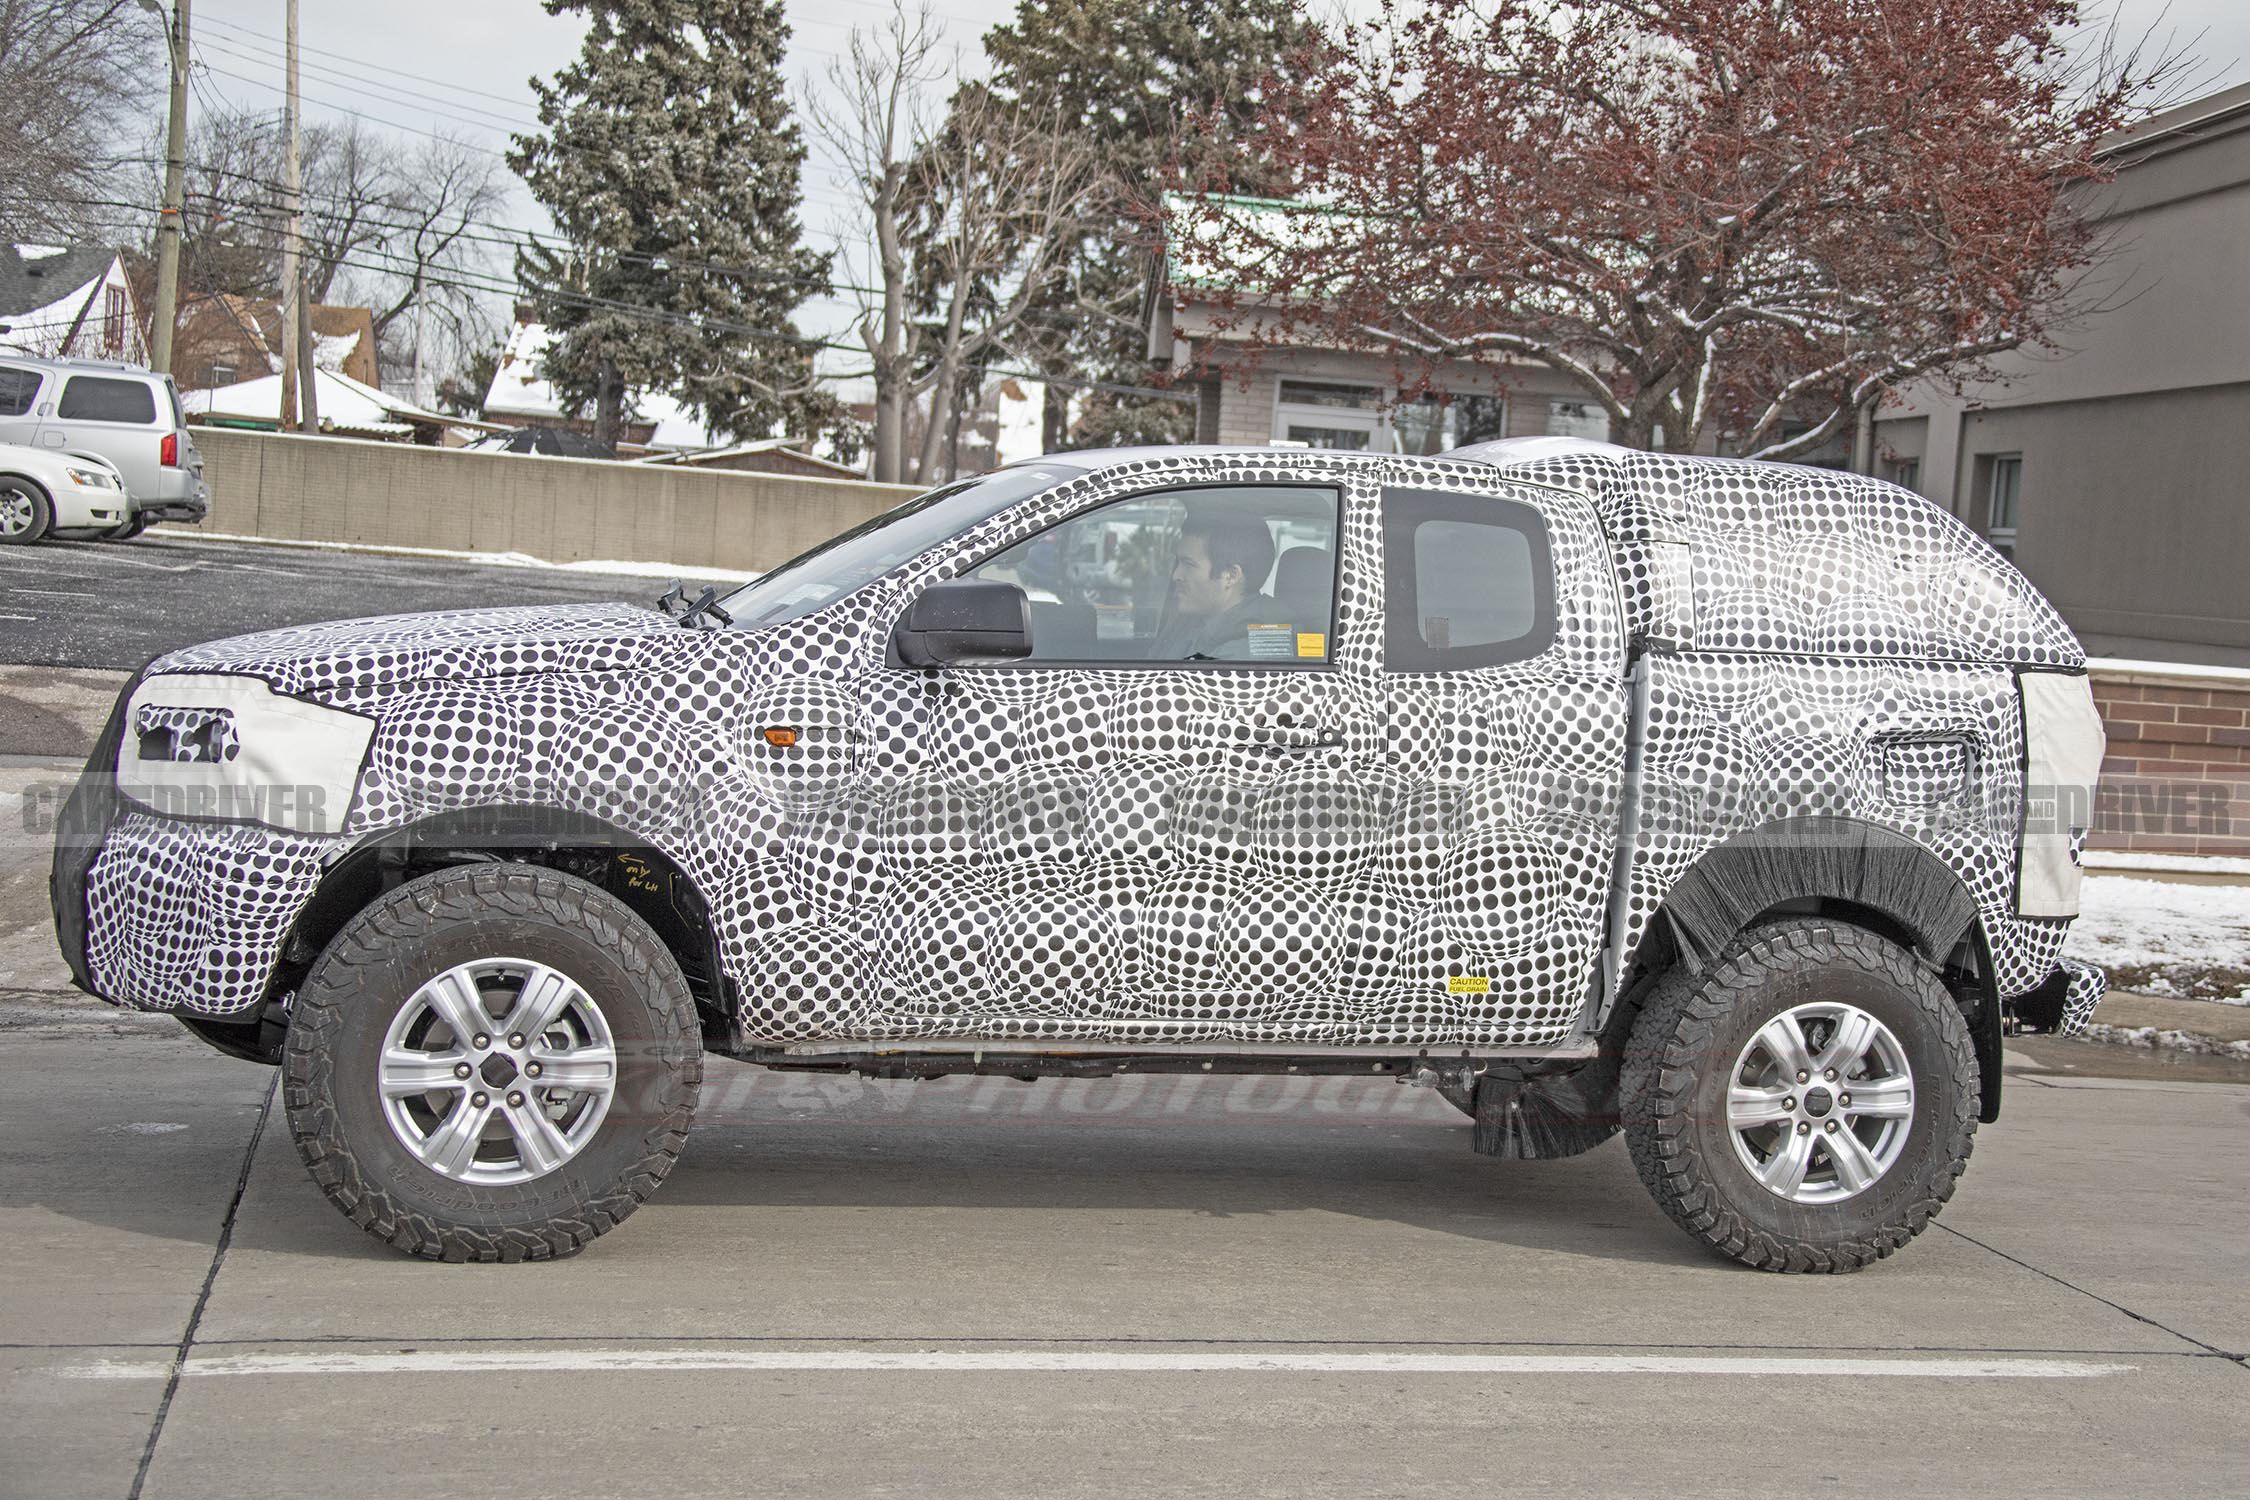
(1543, 1118)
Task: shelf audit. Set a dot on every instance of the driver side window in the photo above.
(1221, 573)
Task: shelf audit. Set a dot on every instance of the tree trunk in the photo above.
(609, 405)
(1054, 419)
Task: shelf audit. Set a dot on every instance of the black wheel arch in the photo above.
(1850, 870)
(626, 865)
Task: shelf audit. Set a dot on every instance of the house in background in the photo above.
(2118, 474)
(774, 455)
(69, 302)
(1326, 398)
(347, 408)
(224, 340)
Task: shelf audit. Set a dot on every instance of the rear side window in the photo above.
(1469, 581)
(18, 389)
(90, 398)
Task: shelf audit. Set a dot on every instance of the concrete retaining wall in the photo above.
(560, 509)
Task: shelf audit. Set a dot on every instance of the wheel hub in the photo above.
(497, 1071)
(1820, 1103)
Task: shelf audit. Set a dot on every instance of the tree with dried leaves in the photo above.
(72, 72)
(974, 212)
(1708, 214)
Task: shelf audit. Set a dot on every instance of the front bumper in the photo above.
(180, 914)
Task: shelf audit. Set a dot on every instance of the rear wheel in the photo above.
(1805, 1104)
(25, 512)
(493, 1062)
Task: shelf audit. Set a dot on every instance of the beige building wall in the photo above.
(2134, 509)
(558, 509)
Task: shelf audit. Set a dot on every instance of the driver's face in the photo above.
(1194, 590)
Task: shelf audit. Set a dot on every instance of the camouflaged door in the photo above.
(1130, 852)
(1504, 703)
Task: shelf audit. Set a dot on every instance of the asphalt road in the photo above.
(1208, 1287)
(115, 605)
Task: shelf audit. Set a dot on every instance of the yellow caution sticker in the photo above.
(1468, 984)
(1311, 643)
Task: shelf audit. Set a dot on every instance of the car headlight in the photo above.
(92, 479)
(213, 745)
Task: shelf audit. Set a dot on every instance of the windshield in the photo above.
(865, 553)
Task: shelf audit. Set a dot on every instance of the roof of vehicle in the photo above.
(73, 362)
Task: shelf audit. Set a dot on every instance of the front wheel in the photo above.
(25, 512)
(492, 1062)
(1805, 1104)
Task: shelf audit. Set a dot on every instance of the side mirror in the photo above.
(965, 620)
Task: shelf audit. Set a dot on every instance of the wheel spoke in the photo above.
(1856, 1166)
(541, 1000)
(1787, 1044)
(454, 996)
(540, 1147)
(406, 1072)
(1785, 1172)
(1855, 1031)
(578, 1068)
(451, 1147)
(1881, 1098)
(1748, 1107)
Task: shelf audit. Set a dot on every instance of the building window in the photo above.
(222, 373)
(1322, 414)
(2003, 498)
(1579, 419)
(1906, 473)
(113, 319)
(1430, 424)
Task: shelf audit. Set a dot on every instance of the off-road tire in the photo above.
(42, 512)
(1672, 1095)
(375, 965)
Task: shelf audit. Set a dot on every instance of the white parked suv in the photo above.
(128, 415)
(43, 490)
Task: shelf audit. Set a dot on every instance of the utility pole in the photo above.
(299, 403)
(165, 319)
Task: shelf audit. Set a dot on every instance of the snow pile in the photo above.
(2166, 937)
(2171, 1041)
(686, 572)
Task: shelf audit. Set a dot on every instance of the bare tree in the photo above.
(973, 212)
(71, 72)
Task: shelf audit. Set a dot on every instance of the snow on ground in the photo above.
(684, 571)
(2166, 937)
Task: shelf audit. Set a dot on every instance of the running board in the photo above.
(1037, 1057)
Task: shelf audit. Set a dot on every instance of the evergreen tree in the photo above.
(671, 167)
(1153, 87)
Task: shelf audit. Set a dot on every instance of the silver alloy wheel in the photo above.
(1820, 1102)
(497, 1071)
(17, 510)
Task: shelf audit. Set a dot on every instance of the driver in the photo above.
(1221, 561)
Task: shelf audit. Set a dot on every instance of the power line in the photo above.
(358, 62)
(382, 93)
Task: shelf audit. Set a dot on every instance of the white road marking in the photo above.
(1096, 1362)
(52, 593)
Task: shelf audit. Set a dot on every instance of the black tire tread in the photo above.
(367, 944)
(1675, 1031)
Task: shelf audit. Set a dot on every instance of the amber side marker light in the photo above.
(780, 739)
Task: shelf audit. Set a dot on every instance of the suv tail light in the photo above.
(169, 454)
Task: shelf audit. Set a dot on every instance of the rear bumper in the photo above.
(181, 495)
(2065, 1002)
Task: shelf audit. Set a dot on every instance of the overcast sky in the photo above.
(462, 66)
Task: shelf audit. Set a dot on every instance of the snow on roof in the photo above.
(518, 390)
(343, 401)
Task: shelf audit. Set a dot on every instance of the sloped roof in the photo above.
(345, 405)
(519, 390)
(38, 276)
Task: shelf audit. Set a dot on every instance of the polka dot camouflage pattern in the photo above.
(1147, 854)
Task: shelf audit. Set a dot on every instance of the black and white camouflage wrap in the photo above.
(1113, 853)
